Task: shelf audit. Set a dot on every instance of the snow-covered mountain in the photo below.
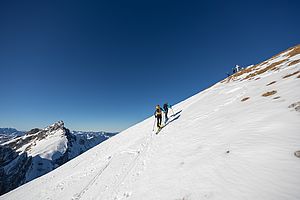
(9, 133)
(39, 151)
(235, 140)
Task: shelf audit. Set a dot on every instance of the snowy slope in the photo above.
(235, 140)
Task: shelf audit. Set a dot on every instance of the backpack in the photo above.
(165, 107)
(158, 111)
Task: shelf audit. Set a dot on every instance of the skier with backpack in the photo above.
(166, 107)
(158, 116)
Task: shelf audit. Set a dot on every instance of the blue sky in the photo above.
(104, 65)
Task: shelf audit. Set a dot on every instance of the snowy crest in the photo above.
(58, 125)
(282, 61)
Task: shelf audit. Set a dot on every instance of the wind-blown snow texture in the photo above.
(235, 140)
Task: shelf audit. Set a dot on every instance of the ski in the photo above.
(159, 129)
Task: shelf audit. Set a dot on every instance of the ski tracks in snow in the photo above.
(138, 159)
(81, 193)
(114, 173)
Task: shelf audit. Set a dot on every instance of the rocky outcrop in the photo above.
(13, 169)
(67, 155)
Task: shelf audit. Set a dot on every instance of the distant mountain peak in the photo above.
(9, 133)
(57, 125)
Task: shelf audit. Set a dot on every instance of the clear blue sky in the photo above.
(104, 65)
